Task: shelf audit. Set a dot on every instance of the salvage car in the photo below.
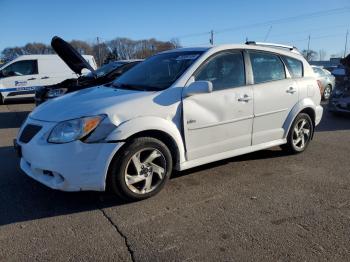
(327, 81)
(176, 110)
(339, 103)
(77, 63)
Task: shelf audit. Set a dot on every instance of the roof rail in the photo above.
(290, 48)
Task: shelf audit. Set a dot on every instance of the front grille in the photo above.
(29, 132)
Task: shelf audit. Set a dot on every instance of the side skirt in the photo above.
(229, 154)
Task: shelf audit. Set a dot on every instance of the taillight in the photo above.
(320, 86)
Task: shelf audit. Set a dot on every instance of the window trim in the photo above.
(249, 51)
(234, 51)
(283, 57)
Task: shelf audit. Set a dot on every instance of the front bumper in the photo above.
(72, 166)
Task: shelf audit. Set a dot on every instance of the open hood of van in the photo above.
(70, 56)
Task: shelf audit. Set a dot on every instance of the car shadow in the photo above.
(275, 152)
(23, 199)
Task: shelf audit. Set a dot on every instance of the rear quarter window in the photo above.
(294, 66)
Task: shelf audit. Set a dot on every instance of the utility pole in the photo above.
(99, 51)
(346, 42)
(268, 33)
(211, 40)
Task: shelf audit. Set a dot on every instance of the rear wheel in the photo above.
(327, 92)
(300, 134)
(141, 169)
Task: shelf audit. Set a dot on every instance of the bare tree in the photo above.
(310, 55)
(100, 51)
(37, 48)
(82, 47)
(118, 48)
(176, 42)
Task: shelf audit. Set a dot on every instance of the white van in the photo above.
(21, 76)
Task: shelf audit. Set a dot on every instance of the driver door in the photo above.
(222, 120)
(21, 77)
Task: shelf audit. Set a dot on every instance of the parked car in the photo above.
(327, 81)
(339, 101)
(176, 110)
(20, 77)
(103, 75)
(340, 98)
(77, 63)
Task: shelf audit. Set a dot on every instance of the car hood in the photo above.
(70, 56)
(94, 101)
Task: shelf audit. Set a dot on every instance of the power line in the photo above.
(287, 19)
(334, 11)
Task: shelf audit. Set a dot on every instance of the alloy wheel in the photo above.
(145, 171)
(327, 92)
(301, 134)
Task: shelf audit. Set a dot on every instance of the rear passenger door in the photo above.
(275, 94)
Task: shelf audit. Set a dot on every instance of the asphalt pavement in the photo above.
(264, 206)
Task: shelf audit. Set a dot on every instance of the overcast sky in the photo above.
(288, 22)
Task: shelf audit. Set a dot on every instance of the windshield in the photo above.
(157, 72)
(105, 69)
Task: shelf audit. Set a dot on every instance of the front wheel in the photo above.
(141, 169)
(300, 134)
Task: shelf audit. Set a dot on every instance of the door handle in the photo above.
(31, 78)
(245, 98)
(45, 77)
(291, 90)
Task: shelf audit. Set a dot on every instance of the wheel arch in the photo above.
(306, 106)
(159, 128)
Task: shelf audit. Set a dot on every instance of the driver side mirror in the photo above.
(198, 87)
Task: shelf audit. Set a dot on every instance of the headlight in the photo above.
(56, 92)
(74, 129)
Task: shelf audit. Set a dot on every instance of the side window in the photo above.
(225, 70)
(295, 66)
(20, 68)
(266, 67)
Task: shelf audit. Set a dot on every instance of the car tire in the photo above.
(300, 134)
(327, 92)
(141, 169)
